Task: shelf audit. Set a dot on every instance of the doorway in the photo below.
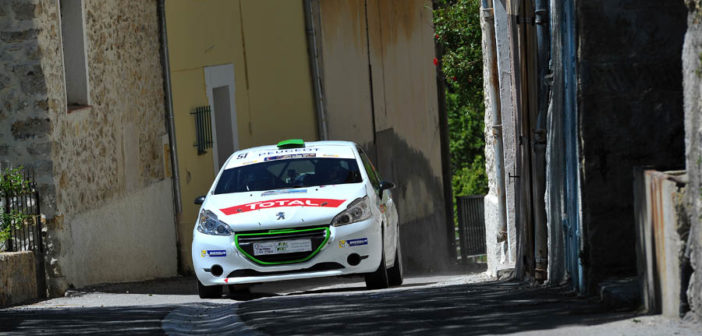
(219, 81)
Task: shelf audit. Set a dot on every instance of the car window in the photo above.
(370, 169)
(283, 174)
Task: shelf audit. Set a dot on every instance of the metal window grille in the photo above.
(471, 226)
(24, 236)
(203, 129)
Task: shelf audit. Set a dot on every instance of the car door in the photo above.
(386, 207)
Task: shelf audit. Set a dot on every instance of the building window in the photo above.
(74, 53)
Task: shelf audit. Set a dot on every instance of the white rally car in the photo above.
(295, 211)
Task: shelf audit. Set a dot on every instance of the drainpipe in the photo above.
(539, 145)
(445, 151)
(493, 93)
(315, 68)
(170, 126)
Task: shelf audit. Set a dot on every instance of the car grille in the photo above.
(245, 241)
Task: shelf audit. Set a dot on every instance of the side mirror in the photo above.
(199, 200)
(384, 185)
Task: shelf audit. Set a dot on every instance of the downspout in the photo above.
(445, 151)
(170, 126)
(315, 68)
(492, 87)
(539, 136)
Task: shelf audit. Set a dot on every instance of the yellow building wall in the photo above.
(265, 41)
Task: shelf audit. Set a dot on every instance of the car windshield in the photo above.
(293, 173)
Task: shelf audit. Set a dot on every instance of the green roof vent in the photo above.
(291, 143)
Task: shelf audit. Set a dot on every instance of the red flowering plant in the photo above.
(458, 35)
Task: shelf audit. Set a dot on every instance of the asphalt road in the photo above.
(435, 305)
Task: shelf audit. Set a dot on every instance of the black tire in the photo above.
(395, 272)
(379, 278)
(209, 292)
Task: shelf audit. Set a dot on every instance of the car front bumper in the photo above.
(345, 245)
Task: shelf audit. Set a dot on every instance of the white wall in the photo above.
(127, 239)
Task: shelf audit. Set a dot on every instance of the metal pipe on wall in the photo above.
(445, 150)
(170, 126)
(315, 68)
(539, 144)
(492, 91)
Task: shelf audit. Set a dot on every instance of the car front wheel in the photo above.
(379, 278)
(395, 272)
(209, 292)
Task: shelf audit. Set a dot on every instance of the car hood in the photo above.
(276, 209)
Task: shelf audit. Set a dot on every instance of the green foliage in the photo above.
(12, 182)
(458, 34)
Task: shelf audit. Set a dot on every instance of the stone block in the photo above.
(24, 10)
(620, 293)
(32, 78)
(42, 149)
(18, 280)
(31, 128)
(5, 81)
(18, 36)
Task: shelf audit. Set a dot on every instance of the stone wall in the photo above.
(99, 158)
(25, 126)
(692, 83)
(630, 113)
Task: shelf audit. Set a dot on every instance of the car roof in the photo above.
(257, 154)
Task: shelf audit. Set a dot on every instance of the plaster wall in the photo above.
(501, 254)
(346, 70)
(494, 250)
(266, 43)
(692, 84)
(380, 90)
(630, 83)
(129, 238)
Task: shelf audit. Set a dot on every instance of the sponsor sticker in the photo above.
(353, 242)
(281, 192)
(290, 156)
(290, 150)
(248, 163)
(215, 253)
(285, 202)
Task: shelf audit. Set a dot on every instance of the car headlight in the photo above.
(208, 223)
(357, 211)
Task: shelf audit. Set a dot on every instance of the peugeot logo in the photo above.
(281, 215)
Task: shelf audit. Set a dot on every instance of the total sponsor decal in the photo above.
(353, 242)
(213, 253)
(285, 202)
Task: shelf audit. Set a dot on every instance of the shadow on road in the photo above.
(465, 309)
(472, 309)
(85, 321)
